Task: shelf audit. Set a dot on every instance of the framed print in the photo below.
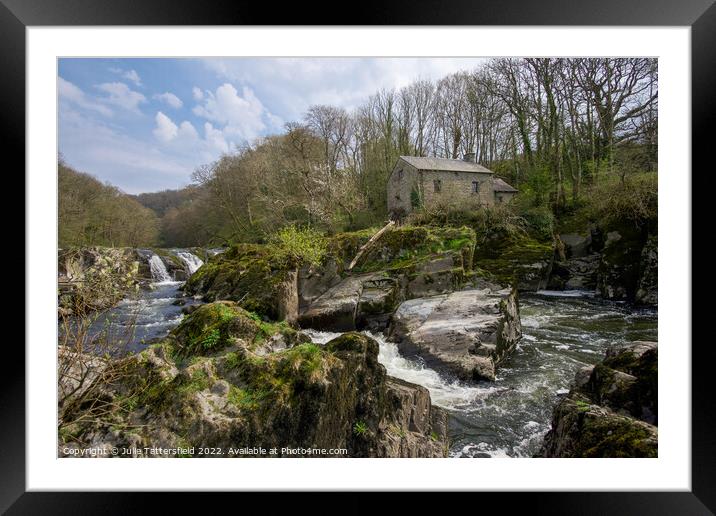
(380, 246)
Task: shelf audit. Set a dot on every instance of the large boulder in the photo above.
(467, 332)
(514, 260)
(335, 309)
(251, 275)
(618, 272)
(576, 245)
(612, 408)
(241, 394)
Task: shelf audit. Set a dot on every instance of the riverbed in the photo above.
(562, 332)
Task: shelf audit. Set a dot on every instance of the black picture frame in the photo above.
(700, 15)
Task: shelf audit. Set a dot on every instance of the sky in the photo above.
(145, 124)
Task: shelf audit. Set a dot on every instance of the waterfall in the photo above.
(159, 270)
(191, 261)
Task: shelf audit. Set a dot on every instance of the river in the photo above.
(562, 332)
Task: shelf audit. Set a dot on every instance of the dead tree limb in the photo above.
(370, 242)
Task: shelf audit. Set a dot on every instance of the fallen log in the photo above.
(370, 242)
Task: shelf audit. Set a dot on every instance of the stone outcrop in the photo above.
(647, 292)
(467, 332)
(226, 380)
(611, 410)
(618, 271)
(514, 260)
(96, 278)
(578, 273)
(620, 262)
(251, 275)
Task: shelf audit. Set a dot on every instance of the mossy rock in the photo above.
(247, 273)
(403, 246)
(521, 261)
(214, 326)
(355, 343)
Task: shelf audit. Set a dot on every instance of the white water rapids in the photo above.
(159, 270)
(191, 261)
(444, 393)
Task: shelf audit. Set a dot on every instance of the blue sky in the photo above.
(145, 124)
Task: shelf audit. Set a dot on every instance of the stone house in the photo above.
(417, 181)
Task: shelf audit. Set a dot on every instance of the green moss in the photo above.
(198, 381)
(212, 326)
(582, 406)
(251, 274)
(510, 260)
(246, 399)
(403, 247)
(617, 437)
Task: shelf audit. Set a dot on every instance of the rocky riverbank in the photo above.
(226, 380)
(619, 262)
(611, 410)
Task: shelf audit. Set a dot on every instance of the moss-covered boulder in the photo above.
(298, 400)
(612, 409)
(581, 428)
(514, 259)
(214, 326)
(403, 247)
(252, 275)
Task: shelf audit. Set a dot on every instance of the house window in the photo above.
(437, 184)
(475, 187)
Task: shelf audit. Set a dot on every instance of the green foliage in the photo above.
(92, 213)
(635, 200)
(299, 245)
(416, 200)
(360, 428)
(540, 221)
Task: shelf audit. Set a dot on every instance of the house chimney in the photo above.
(469, 156)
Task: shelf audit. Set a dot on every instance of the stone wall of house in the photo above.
(456, 189)
(400, 183)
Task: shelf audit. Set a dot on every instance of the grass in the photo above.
(360, 428)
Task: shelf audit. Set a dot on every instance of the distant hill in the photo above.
(162, 202)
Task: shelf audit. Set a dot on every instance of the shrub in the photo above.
(634, 200)
(540, 222)
(304, 245)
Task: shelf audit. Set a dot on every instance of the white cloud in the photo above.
(130, 75)
(187, 131)
(215, 138)
(289, 86)
(169, 99)
(165, 130)
(243, 116)
(71, 93)
(197, 93)
(108, 153)
(121, 95)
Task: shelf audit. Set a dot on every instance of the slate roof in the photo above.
(450, 165)
(498, 185)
